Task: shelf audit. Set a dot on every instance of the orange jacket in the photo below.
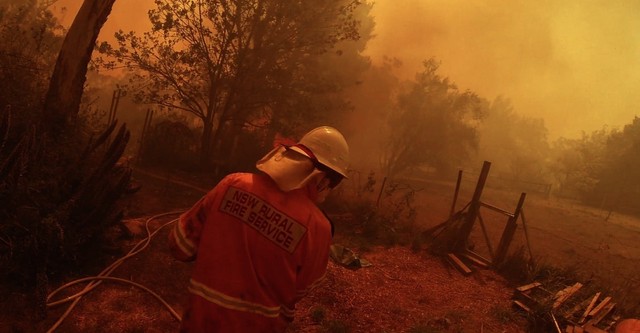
(257, 251)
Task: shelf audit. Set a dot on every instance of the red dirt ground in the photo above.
(402, 292)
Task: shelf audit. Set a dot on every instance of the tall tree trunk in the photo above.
(67, 82)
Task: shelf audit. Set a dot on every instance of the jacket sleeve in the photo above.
(185, 234)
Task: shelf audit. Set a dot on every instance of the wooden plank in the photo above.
(522, 306)
(525, 299)
(589, 308)
(475, 260)
(569, 329)
(529, 286)
(464, 269)
(576, 308)
(600, 306)
(564, 294)
(596, 319)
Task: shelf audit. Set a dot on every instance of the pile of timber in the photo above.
(572, 308)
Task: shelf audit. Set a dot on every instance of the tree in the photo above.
(619, 177)
(577, 163)
(516, 145)
(30, 38)
(432, 125)
(62, 101)
(231, 63)
(59, 192)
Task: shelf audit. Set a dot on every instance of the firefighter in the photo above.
(259, 241)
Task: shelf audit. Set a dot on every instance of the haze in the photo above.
(574, 63)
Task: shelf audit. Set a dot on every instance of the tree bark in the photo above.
(62, 101)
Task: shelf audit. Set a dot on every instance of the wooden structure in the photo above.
(454, 233)
(571, 307)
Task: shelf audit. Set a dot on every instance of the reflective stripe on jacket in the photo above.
(257, 251)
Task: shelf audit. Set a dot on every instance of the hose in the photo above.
(94, 281)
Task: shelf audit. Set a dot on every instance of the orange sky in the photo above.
(575, 63)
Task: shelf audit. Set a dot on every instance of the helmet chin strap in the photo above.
(323, 188)
(323, 184)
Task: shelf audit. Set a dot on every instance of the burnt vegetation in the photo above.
(223, 92)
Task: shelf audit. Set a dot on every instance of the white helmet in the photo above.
(327, 146)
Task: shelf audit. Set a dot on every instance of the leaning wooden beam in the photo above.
(507, 234)
(486, 237)
(472, 214)
(526, 234)
(564, 294)
(455, 194)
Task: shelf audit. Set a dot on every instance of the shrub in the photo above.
(368, 221)
(59, 203)
(170, 143)
(318, 314)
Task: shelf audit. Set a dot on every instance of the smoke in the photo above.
(125, 15)
(576, 64)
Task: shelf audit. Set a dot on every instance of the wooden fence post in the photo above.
(143, 135)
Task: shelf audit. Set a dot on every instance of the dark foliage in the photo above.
(59, 202)
(370, 218)
(170, 144)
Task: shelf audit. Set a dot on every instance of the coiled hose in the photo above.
(94, 281)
